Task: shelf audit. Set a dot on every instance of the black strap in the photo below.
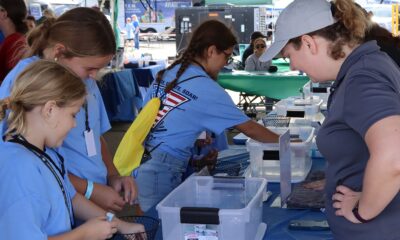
(46, 159)
(201, 65)
(85, 106)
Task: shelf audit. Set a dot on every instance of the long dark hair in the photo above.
(16, 11)
(209, 33)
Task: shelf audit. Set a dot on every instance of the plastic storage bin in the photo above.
(298, 107)
(321, 90)
(263, 164)
(220, 208)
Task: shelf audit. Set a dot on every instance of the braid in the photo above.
(185, 61)
(160, 74)
(209, 33)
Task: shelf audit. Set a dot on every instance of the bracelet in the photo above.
(89, 189)
(358, 216)
(109, 216)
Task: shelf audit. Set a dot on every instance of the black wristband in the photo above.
(358, 216)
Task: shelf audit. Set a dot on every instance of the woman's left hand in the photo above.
(344, 201)
(125, 184)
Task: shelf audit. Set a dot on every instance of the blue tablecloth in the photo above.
(121, 95)
(146, 75)
(277, 219)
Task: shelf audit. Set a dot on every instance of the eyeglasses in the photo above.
(260, 46)
(229, 58)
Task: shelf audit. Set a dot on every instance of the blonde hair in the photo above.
(259, 40)
(40, 82)
(350, 28)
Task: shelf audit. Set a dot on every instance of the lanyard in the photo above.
(46, 159)
(85, 106)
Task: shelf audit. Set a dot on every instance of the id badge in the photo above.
(90, 144)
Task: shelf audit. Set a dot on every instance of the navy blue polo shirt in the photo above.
(366, 90)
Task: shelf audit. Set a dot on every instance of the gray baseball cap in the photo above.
(298, 18)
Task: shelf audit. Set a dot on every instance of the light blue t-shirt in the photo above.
(129, 30)
(193, 106)
(32, 205)
(73, 149)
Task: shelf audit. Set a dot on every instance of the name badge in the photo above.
(90, 144)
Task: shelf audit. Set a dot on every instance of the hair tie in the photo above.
(333, 8)
(7, 102)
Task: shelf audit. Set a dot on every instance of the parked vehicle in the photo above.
(154, 16)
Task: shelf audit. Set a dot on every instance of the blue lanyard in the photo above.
(50, 164)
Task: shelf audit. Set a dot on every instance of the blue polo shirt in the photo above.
(366, 90)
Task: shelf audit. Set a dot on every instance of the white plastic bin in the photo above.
(226, 209)
(261, 164)
(315, 89)
(298, 107)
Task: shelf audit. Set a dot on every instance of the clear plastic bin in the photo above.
(298, 107)
(261, 164)
(319, 90)
(220, 208)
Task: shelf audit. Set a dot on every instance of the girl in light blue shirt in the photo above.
(37, 200)
(73, 41)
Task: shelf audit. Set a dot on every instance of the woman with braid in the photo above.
(192, 102)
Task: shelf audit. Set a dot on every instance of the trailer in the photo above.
(243, 20)
(155, 16)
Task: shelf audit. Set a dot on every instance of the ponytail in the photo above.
(209, 33)
(37, 39)
(4, 105)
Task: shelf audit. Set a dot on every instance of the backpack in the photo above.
(130, 150)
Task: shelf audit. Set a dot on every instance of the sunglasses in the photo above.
(229, 58)
(258, 46)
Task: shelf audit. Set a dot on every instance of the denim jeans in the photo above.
(157, 177)
(137, 40)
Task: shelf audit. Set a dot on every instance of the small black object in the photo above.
(308, 225)
(272, 69)
(299, 114)
(199, 215)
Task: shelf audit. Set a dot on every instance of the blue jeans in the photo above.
(137, 40)
(157, 177)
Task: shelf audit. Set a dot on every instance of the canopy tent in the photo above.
(240, 2)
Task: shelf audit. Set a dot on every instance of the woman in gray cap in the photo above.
(360, 137)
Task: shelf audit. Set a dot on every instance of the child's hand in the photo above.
(98, 228)
(128, 228)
